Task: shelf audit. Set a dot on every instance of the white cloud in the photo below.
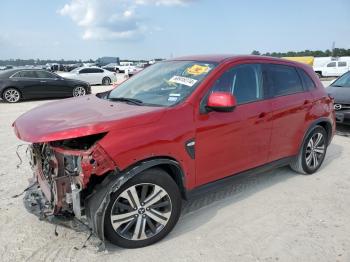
(111, 19)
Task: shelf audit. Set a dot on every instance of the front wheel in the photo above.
(106, 81)
(79, 91)
(312, 153)
(144, 210)
(11, 95)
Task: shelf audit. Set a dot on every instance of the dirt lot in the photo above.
(274, 216)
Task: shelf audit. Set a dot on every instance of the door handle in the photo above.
(42, 81)
(262, 115)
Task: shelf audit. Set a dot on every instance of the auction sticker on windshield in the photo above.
(198, 70)
(183, 80)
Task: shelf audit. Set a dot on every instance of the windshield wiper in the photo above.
(126, 99)
(337, 85)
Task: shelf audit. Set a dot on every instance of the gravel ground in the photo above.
(273, 216)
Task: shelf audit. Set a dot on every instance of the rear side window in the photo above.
(243, 81)
(27, 74)
(96, 70)
(307, 81)
(283, 80)
(341, 64)
(86, 71)
(44, 74)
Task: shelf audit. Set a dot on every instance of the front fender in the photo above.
(97, 203)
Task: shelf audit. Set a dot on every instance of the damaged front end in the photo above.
(65, 174)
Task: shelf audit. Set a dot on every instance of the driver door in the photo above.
(231, 142)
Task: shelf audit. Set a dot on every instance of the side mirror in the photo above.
(221, 102)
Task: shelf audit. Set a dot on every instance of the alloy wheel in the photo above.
(315, 150)
(79, 91)
(106, 81)
(12, 95)
(141, 211)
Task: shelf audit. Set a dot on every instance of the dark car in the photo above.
(123, 160)
(340, 91)
(19, 84)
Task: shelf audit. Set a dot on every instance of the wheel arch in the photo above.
(96, 204)
(323, 122)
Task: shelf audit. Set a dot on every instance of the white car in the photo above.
(334, 68)
(92, 75)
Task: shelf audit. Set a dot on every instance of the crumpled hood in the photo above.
(82, 116)
(340, 94)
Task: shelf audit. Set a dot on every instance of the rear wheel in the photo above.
(79, 91)
(11, 95)
(144, 210)
(319, 74)
(312, 153)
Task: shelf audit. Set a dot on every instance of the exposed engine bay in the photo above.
(65, 173)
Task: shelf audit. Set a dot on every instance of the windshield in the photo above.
(165, 83)
(343, 81)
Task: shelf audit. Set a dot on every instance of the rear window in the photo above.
(283, 80)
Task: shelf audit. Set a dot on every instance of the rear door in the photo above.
(97, 76)
(290, 106)
(86, 74)
(231, 142)
(52, 85)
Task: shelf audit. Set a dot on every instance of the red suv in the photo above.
(123, 160)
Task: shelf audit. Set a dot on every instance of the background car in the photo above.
(110, 67)
(340, 91)
(18, 84)
(92, 75)
(333, 68)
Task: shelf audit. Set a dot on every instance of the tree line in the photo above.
(336, 52)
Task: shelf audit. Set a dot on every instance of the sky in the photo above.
(145, 29)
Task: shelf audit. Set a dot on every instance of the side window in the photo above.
(243, 81)
(85, 71)
(44, 74)
(29, 74)
(333, 64)
(16, 75)
(98, 70)
(307, 81)
(283, 80)
(341, 64)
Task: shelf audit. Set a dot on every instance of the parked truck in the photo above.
(333, 68)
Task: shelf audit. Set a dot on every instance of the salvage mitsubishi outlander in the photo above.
(123, 160)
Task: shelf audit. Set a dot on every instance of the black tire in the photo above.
(11, 95)
(159, 178)
(106, 81)
(319, 74)
(300, 164)
(117, 71)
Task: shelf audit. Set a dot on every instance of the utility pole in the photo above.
(333, 47)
